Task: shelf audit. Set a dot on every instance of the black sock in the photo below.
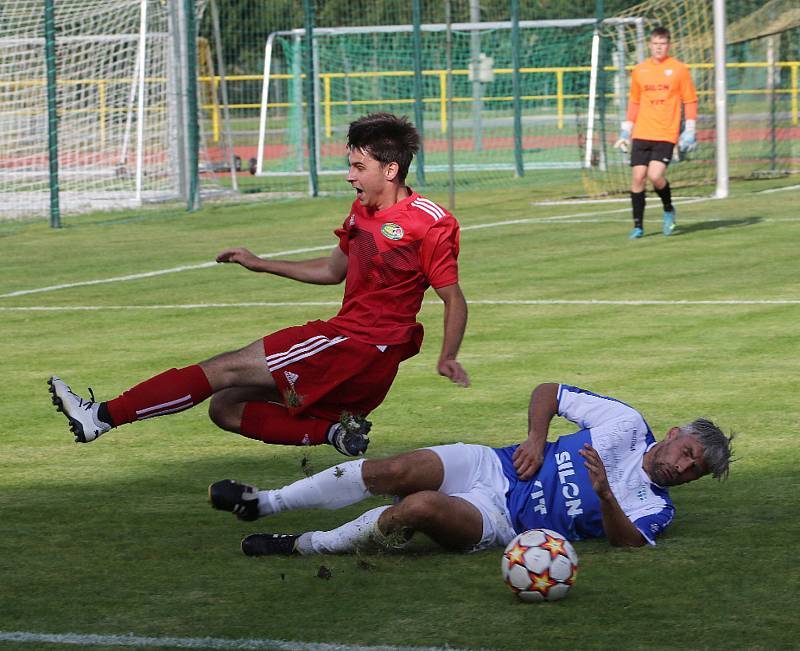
(637, 201)
(666, 196)
(104, 415)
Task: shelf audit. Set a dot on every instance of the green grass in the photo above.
(116, 537)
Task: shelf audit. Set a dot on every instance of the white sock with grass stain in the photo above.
(347, 538)
(333, 488)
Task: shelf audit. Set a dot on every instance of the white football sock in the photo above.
(333, 488)
(347, 538)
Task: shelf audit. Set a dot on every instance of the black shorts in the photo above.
(643, 151)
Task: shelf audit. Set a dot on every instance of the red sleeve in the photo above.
(344, 236)
(439, 253)
(343, 233)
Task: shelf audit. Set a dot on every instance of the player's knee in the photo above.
(387, 476)
(235, 368)
(221, 413)
(220, 370)
(421, 510)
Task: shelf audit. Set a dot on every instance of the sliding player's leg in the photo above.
(453, 493)
(341, 485)
(451, 521)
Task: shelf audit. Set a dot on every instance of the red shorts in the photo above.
(323, 375)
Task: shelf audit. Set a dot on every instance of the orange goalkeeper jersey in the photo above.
(659, 89)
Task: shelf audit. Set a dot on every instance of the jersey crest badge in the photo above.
(352, 220)
(291, 378)
(392, 231)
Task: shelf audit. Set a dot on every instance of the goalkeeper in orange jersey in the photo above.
(659, 86)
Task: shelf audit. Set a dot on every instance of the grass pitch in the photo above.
(116, 537)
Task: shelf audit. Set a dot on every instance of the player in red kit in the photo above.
(315, 383)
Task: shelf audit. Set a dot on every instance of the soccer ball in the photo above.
(539, 565)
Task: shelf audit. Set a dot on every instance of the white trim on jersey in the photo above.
(427, 210)
(429, 207)
(300, 351)
(170, 407)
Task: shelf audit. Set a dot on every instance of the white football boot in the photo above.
(81, 414)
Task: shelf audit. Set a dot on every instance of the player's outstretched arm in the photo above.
(620, 531)
(455, 323)
(543, 407)
(319, 271)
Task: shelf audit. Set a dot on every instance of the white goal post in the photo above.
(121, 140)
(701, 36)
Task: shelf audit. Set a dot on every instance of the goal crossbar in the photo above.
(456, 27)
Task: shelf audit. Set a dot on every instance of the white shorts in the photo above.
(474, 473)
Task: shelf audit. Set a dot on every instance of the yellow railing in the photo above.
(441, 100)
(103, 110)
(328, 103)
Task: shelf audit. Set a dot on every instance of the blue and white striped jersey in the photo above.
(560, 496)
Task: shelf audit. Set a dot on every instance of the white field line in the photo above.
(573, 202)
(783, 189)
(592, 215)
(204, 306)
(574, 218)
(160, 272)
(130, 640)
(204, 265)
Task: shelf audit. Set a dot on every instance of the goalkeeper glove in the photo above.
(624, 142)
(688, 139)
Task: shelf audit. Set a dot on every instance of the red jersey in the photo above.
(394, 255)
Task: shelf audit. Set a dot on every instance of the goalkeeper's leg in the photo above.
(638, 201)
(656, 172)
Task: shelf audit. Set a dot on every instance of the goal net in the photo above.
(359, 70)
(117, 114)
(690, 23)
(762, 123)
(763, 112)
(556, 124)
